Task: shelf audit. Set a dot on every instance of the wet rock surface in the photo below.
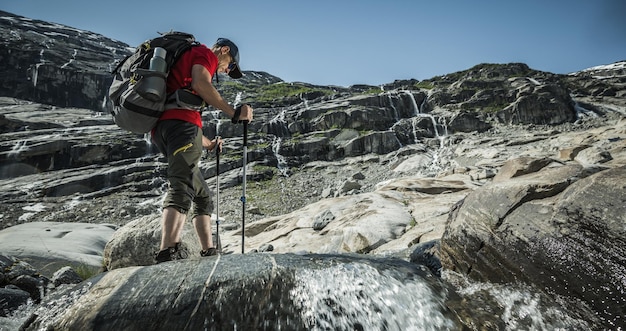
(252, 292)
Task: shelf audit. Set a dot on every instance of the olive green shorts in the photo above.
(181, 143)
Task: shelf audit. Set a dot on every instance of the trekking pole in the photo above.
(243, 194)
(217, 195)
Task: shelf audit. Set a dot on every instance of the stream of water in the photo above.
(356, 296)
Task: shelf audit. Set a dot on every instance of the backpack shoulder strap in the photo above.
(174, 42)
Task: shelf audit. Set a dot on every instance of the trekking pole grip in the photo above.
(217, 148)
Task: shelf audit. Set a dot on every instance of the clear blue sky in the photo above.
(346, 42)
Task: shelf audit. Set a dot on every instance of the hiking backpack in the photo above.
(134, 110)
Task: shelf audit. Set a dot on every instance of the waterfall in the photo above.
(278, 126)
(417, 112)
(237, 99)
(421, 105)
(280, 117)
(282, 166)
(36, 74)
(304, 101)
(105, 99)
(444, 125)
(18, 148)
(147, 137)
(218, 123)
(396, 116)
(582, 112)
(416, 109)
(217, 127)
(70, 60)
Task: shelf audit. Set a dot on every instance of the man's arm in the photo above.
(201, 84)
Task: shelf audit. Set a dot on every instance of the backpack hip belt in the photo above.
(184, 99)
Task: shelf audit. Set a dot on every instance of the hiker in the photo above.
(178, 135)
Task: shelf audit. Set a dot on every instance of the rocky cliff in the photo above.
(499, 169)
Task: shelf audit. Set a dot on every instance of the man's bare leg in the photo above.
(202, 223)
(171, 227)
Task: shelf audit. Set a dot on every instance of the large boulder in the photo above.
(560, 229)
(255, 292)
(49, 246)
(136, 243)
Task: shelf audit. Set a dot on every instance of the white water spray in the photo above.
(18, 148)
(282, 166)
(70, 60)
(582, 112)
(357, 296)
(237, 99)
(278, 122)
(305, 102)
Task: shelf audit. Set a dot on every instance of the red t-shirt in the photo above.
(180, 76)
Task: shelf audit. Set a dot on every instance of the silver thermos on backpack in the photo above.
(153, 85)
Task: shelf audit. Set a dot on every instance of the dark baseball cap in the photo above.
(234, 53)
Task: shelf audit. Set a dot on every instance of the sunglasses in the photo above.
(232, 66)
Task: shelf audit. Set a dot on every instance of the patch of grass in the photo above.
(494, 107)
(281, 90)
(372, 91)
(425, 84)
(262, 168)
(262, 145)
(85, 271)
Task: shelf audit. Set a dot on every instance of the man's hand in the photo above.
(211, 144)
(242, 114)
(246, 113)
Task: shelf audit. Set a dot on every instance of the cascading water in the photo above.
(282, 166)
(70, 60)
(147, 137)
(417, 113)
(511, 306)
(278, 127)
(306, 107)
(305, 102)
(237, 99)
(35, 72)
(396, 116)
(582, 112)
(356, 296)
(18, 148)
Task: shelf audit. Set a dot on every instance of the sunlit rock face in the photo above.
(560, 228)
(55, 64)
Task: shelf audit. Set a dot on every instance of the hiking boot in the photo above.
(209, 252)
(178, 252)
